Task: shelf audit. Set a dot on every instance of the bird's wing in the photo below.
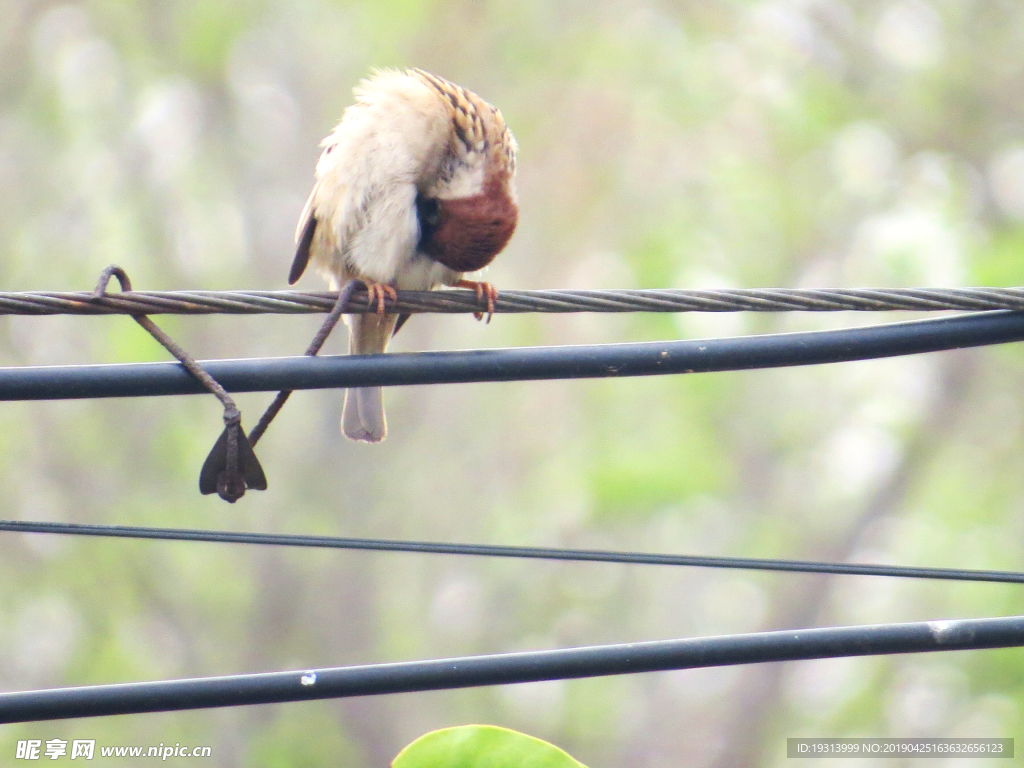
(307, 226)
(402, 320)
(304, 238)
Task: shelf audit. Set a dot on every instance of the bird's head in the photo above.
(468, 209)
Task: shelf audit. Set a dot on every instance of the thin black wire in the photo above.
(517, 364)
(559, 301)
(497, 550)
(500, 669)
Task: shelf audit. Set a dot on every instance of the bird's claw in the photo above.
(375, 292)
(487, 290)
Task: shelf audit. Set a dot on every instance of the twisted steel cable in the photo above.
(556, 301)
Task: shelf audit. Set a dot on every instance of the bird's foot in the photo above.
(482, 290)
(375, 292)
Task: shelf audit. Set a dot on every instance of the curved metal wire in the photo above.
(557, 301)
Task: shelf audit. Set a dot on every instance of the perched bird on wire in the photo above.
(415, 188)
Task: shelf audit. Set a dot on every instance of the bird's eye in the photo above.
(429, 211)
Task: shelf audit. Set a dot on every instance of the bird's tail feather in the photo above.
(363, 418)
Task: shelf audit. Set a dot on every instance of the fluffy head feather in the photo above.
(471, 204)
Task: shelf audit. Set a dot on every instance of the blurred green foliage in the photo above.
(481, 746)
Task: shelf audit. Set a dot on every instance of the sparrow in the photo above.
(415, 188)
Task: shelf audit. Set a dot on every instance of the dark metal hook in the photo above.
(231, 466)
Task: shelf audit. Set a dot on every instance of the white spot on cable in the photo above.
(943, 631)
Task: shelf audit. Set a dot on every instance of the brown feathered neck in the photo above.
(465, 234)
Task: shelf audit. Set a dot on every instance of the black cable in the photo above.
(501, 669)
(491, 550)
(521, 364)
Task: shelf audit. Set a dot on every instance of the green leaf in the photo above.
(482, 746)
